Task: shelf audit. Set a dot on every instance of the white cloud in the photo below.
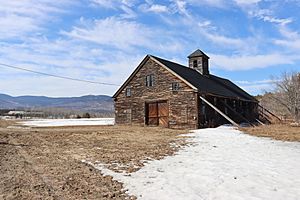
(128, 3)
(215, 36)
(113, 3)
(277, 20)
(244, 82)
(223, 40)
(204, 24)
(128, 12)
(247, 2)
(125, 35)
(181, 7)
(267, 16)
(52, 87)
(291, 38)
(156, 8)
(125, 5)
(292, 44)
(54, 57)
(247, 62)
(257, 86)
(212, 3)
(112, 31)
(19, 18)
(104, 3)
(105, 50)
(256, 89)
(13, 26)
(108, 49)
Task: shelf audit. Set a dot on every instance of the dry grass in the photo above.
(45, 163)
(6, 123)
(283, 132)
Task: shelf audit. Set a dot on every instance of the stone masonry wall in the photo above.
(182, 104)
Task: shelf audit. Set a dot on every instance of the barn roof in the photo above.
(197, 53)
(207, 83)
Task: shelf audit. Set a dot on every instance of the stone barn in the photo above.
(163, 93)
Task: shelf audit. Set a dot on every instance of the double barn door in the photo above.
(157, 113)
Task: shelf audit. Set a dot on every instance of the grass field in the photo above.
(283, 132)
(46, 163)
(6, 123)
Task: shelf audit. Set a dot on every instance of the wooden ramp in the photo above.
(219, 111)
(261, 123)
(236, 113)
(266, 116)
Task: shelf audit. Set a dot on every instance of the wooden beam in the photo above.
(264, 109)
(219, 111)
(235, 112)
(260, 122)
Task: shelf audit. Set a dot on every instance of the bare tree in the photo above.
(86, 115)
(287, 93)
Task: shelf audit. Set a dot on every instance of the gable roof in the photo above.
(131, 76)
(210, 84)
(198, 53)
(147, 57)
(205, 84)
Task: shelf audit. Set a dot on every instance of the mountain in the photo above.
(90, 103)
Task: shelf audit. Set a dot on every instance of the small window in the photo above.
(175, 86)
(128, 92)
(195, 64)
(150, 80)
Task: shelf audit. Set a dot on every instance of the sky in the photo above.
(250, 42)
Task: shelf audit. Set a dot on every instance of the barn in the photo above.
(163, 93)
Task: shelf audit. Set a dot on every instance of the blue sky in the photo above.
(248, 41)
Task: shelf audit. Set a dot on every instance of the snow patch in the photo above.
(68, 122)
(224, 164)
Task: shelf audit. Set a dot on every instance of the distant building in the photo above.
(25, 114)
(16, 112)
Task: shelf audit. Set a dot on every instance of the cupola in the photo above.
(199, 61)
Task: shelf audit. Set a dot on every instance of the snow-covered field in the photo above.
(68, 122)
(223, 163)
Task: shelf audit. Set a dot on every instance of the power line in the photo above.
(57, 76)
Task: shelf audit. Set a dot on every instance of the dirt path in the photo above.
(46, 163)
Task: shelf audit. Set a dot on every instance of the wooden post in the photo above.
(220, 112)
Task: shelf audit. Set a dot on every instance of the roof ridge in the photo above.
(169, 61)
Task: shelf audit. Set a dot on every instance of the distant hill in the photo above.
(89, 103)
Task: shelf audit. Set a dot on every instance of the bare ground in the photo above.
(6, 123)
(283, 132)
(46, 163)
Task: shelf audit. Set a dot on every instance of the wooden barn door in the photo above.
(152, 114)
(157, 114)
(163, 114)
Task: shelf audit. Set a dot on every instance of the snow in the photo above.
(222, 163)
(68, 122)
